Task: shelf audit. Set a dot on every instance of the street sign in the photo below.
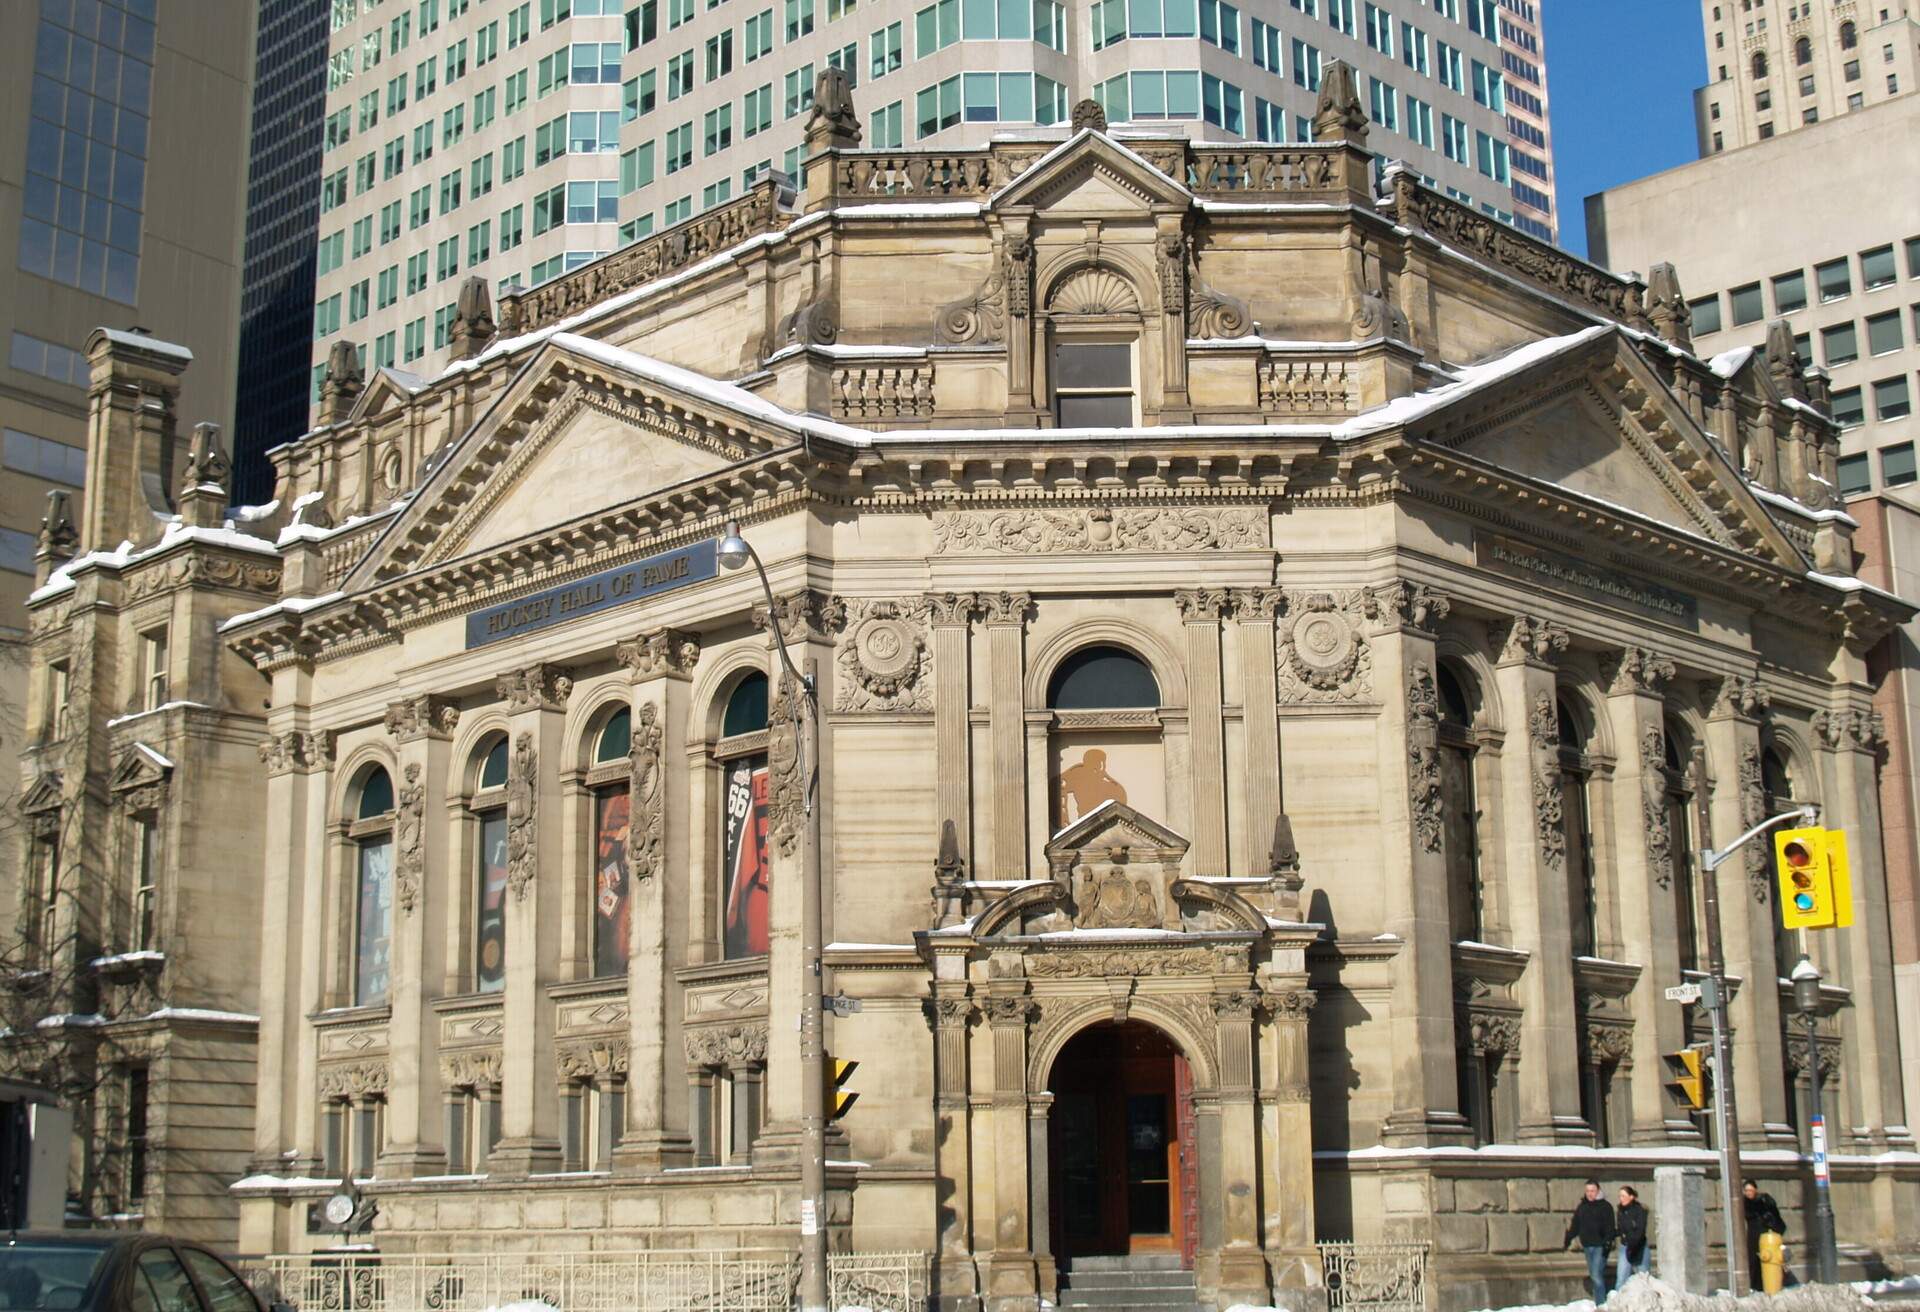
(1684, 993)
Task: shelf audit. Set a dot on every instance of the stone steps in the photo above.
(1142, 1283)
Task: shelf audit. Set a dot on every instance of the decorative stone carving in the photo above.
(207, 463)
(1524, 638)
(951, 1013)
(804, 615)
(1338, 114)
(1114, 901)
(734, 1046)
(883, 661)
(1119, 962)
(1174, 251)
(647, 793)
(1608, 1042)
(1667, 307)
(1017, 260)
(409, 839)
(425, 716)
(538, 687)
(1308, 388)
(1753, 809)
(1009, 1011)
(296, 750)
(669, 652)
(952, 608)
(1088, 116)
(471, 1068)
(1292, 1004)
(1404, 605)
(1323, 654)
(1794, 1044)
(352, 1080)
(1491, 1033)
(591, 1059)
(1212, 314)
(1543, 733)
(522, 789)
(1237, 1005)
(1100, 528)
(1201, 604)
(59, 534)
(812, 323)
(976, 320)
(1006, 607)
(1653, 805)
(1375, 314)
(1635, 669)
(833, 124)
(1095, 290)
(1851, 729)
(883, 391)
(786, 809)
(1737, 695)
(473, 325)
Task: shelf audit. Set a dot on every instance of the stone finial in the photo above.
(473, 324)
(1667, 307)
(1283, 864)
(833, 124)
(1339, 115)
(950, 900)
(343, 383)
(59, 536)
(203, 486)
(1088, 116)
(1783, 361)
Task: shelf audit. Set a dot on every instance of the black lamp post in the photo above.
(1806, 1000)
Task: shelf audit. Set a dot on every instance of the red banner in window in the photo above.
(746, 874)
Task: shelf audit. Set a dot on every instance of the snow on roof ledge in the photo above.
(120, 337)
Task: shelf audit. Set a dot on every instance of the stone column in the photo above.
(1536, 876)
(1243, 1266)
(659, 664)
(1643, 868)
(1853, 735)
(1746, 910)
(1011, 1271)
(1263, 800)
(951, 616)
(420, 727)
(1200, 612)
(529, 1107)
(295, 810)
(1006, 618)
(317, 849)
(1286, 1116)
(1425, 1096)
(952, 1011)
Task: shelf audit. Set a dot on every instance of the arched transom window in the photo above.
(372, 832)
(1106, 734)
(612, 800)
(490, 878)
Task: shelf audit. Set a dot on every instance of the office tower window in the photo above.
(1892, 398)
(883, 51)
(1897, 465)
(883, 127)
(1855, 474)
(1849, 408)
(1790, 292)
(1883, 333)
(1705, 314)
(1306, 65)
(1834, 279)
(1839, 344)
(1746, 305)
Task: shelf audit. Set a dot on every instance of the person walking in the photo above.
(1592, 1224)
(1766, 1229)
(1633, 1235)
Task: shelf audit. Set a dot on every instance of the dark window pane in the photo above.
(1085, 365)
(376, 794)
(493, 771)
(1102, 678)
(747, 707)
(1096, 411)
(615, 738)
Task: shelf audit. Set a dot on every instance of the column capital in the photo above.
(1257, 605)
(1007, 1012)
(424, 716)
(302, 750)
(1635, 670)
(1202, 605)
(540, 687)
(805, 615)
(1402, 605)
(1739, 696)
(952, 609)
(663, 653)
(1524, 638)
(1851, 729)
(1007, 607)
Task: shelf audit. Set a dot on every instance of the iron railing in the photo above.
(666, 1280)
(1375, 1277)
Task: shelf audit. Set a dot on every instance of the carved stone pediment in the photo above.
(43, 796)
(139, 778)
(1093, 175)
(1111, 827)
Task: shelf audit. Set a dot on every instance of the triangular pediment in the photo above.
(139, 766)
(385, 390)
(1116, 826)
(1093, 174)
(1596, 422)
(43, 795)
(575, 434)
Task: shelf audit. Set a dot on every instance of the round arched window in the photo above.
(746, 874)
(493, 769)
(616, 736)
(376, 794)
(1102, 678)
(1759, 63)
(1803, 52)
(372, 912)
(1849, 36)
(489, 941)
(746, 707)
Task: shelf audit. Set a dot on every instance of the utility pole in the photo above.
(1713, 996)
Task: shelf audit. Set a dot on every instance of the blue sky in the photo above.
(1620, 80)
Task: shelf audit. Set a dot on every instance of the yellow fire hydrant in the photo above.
(1773, 1262)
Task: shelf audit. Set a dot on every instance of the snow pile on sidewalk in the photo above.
(1644, 1293)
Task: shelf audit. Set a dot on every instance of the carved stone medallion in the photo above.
(883, 660)
(1323, 653)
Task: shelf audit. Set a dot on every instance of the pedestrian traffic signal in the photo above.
(1816, 889)
(1684, 1079)
(839, 1100)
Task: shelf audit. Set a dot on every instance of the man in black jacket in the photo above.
(1763, 1218)
(1592, 1224)
(1633, 1235)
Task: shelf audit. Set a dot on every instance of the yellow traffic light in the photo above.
(1815, 888)
(1685, 1081)
(839, 1100)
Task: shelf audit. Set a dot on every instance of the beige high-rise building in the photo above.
(1774, 68)
(122, 189)
(520, 141)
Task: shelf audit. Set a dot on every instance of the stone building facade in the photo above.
(1271, 640)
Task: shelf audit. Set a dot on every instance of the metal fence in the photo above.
(752, 1280)
(1375, 1277)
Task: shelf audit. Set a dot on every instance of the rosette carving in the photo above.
(884, 661)
(1324, 656)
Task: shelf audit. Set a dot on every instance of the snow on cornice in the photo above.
(127, 555)
(286, 606)
(142, 341)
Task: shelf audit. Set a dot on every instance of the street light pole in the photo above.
(1806, 997)
(804, 706)
(1714, 998)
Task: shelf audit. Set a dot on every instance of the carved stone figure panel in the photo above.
(522, 790)
(1099, 528)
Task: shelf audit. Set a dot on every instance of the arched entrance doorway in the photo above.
(1123, 1157)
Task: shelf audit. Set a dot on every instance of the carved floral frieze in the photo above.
(1543, 735)
(471, 1068)
(353, 1080)
(1120, 962)
(726, 1045)
(1099, 529)
(1653, 805)
(590, 1059)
